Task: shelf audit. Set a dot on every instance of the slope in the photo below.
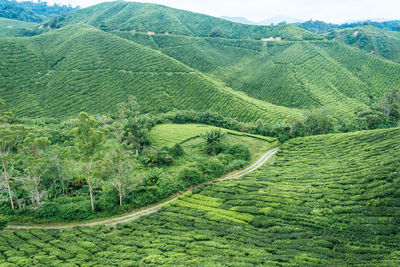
(302, 74)
(373, 40)
(327, 200)
(16, 28)
(79, 68)
(130, 16)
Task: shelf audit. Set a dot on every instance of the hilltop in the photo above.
(140, 17)
(371, 39)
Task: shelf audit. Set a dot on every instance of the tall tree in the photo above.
(89, 139)
(10, 137)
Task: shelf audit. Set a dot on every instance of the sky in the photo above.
(334, 11)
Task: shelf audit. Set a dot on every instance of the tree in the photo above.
(122, 170)
(36, 165)
(10, 137)
(89, 139)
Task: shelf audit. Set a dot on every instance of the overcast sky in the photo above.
(337, 11)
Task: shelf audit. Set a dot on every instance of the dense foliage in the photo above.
(327, 200)
(31, 11)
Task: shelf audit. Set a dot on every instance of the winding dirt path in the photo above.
(137, 214)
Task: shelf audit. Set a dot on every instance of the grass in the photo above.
(327, 200)
(170, 134)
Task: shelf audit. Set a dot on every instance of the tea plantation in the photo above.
(58, 74)
(302, 74)
(329, 200)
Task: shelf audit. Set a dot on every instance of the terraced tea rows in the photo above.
(327, 200)
(293, 74)
(80, 68)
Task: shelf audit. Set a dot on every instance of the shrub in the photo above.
(176, 151)
(212, 167)
(240, 151)
(191, 175)
(3, 222)
(153, 178)
(107, 201)
(156, 157)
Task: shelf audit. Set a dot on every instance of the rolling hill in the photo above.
(130, 16)
(80, 68)
(302, 74)
(17, 28)
(373, 40)
(329, 200)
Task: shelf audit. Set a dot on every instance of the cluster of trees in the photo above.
(319, 27)
(31, 157)
(31, 11)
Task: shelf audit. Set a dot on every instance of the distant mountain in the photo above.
(239, 20)
(279, 19)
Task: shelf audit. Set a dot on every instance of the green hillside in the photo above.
(373, 40)
(16, 28)
(79, 68)
(329, 200)
(128, 16)
(301, 74)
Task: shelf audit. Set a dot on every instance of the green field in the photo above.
(327, 200)
(170, 134)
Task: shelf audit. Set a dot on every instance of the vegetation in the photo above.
(323, 27)
(142, 17)
(69, 79)
(373, 40)
(31, 11)
(284, 73)
(89, 167)
(16, 28)
(327, 200)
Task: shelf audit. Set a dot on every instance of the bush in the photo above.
(153, 178)
(191, 175)
(240, 151)
(212, 167)
(3, 222)
(176, 151)
(156, 157)
(107, 201)
(237, 164)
